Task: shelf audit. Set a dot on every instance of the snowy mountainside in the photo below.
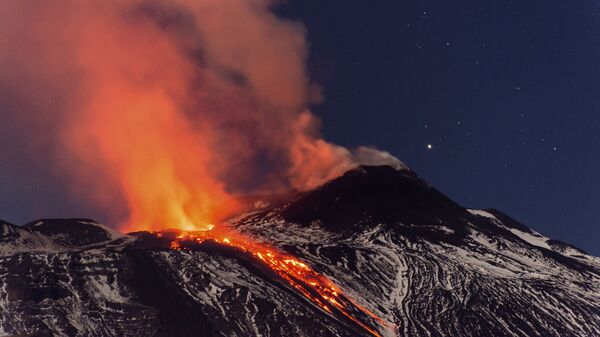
(400, 248)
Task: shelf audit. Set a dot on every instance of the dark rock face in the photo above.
(399, 247)
(370, 194)
(70, 232)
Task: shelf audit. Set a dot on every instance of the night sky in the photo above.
(496, 103)
(506, 93)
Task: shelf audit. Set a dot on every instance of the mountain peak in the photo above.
(394, 244)
(376, 193)
(73, 232)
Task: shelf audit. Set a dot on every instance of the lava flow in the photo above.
(315, 287)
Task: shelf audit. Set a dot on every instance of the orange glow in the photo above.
(298, 275)
(175, 245)
(160, 113)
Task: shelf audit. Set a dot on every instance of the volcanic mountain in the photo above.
(400, 258)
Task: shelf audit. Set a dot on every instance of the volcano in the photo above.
(401, 258)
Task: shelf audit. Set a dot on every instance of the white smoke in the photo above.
(371, 156)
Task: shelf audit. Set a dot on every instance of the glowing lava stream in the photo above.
(312, 285)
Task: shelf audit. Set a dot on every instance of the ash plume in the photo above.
(159, 112)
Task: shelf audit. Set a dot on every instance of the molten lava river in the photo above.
(315, 287)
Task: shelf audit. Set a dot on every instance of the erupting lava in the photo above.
(315, 287)
(162, 112)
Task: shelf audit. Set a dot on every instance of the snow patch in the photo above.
(535, 239)
(105, 290)
(484, 214)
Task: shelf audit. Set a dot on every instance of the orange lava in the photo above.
(315, 287)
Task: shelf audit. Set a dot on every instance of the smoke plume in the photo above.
(371, 156)
(168, 107)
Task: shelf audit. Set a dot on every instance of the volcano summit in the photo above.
(401, 258)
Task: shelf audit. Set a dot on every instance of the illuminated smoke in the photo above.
(168, 107)
(371, 156)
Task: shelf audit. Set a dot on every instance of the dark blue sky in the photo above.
(506, 92)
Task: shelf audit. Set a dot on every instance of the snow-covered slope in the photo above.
(396, 245)
(57, 235)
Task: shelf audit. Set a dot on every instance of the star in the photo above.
(429, 146)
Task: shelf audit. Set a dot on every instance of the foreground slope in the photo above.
(399, 247)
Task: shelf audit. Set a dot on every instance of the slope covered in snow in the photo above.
(400, 248)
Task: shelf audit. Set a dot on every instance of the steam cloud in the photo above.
(170, 107)
(371, 156)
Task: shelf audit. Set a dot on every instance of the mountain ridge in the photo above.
(425, 264)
